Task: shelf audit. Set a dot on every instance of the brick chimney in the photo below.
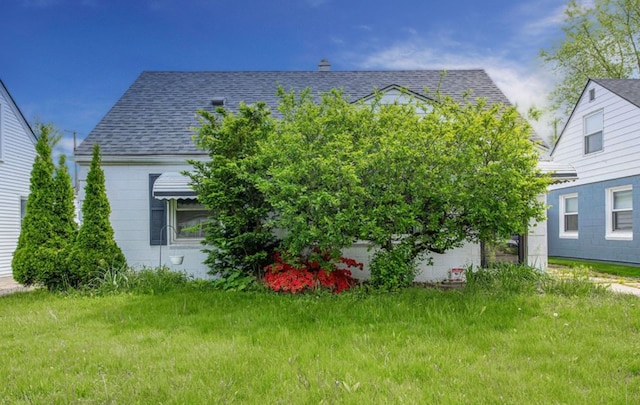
(324, 66)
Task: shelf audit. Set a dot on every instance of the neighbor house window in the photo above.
(593, 133)
(569, 216)
(23, 208)
(619, 206)
(188, 218)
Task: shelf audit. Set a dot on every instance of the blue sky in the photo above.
(68, 61)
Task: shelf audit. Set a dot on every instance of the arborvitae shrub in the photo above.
(95, 250)
(34, 254)
(56, 276)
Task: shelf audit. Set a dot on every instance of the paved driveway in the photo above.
(9, 285)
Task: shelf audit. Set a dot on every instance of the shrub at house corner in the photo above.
(34, 254)
(95, 249)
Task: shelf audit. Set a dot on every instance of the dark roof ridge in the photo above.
(156, 113)
(317, 71)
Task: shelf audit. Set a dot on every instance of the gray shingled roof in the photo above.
(154, 115)
(629, 89)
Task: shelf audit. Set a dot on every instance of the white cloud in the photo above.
(545, 23)
(364, 27)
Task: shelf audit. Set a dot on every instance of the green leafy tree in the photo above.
(238, 240)
(95, 250)
(601, 41)
(422, 183)
(312, 181)
(35, 254)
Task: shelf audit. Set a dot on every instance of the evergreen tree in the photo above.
(34, 253)
(95, 249)
(64, 229)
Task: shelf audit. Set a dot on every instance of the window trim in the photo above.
(564, 234)
(586, 135)
(610, 233)
(173, 223)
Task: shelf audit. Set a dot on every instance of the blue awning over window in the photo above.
(173, 186)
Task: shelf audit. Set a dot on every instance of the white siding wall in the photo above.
(537, 242)
(621, 132)
(17, 156)
(467, 255)
(127, 188)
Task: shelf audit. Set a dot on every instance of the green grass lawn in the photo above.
(419, 346)
(600, 267)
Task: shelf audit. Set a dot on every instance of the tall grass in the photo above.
(190, 345)
(617, 269)
(508, 278)
(141, 281)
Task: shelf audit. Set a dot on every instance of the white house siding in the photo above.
(17, 155)
(619, 157)
(537, 242)
(127, 187)
(465, 256)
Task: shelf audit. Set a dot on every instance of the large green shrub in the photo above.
(393, 269)
(95, 250)
(35, 253)
(239, 242)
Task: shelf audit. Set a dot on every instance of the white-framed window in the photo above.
(593, 125)
(619, 210)
(569, 216)
(187, 216)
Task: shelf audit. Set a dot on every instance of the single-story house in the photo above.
(595, 216)
(17, 154)
(146, 139)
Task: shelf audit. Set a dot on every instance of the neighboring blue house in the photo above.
(594, 217)
(17, 153)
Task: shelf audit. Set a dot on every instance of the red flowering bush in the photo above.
(286, 277)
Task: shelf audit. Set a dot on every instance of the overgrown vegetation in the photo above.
(393, 269)
(329, 171)
(124, 279)
(598, 266)
(509, 279)
(194, 345)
